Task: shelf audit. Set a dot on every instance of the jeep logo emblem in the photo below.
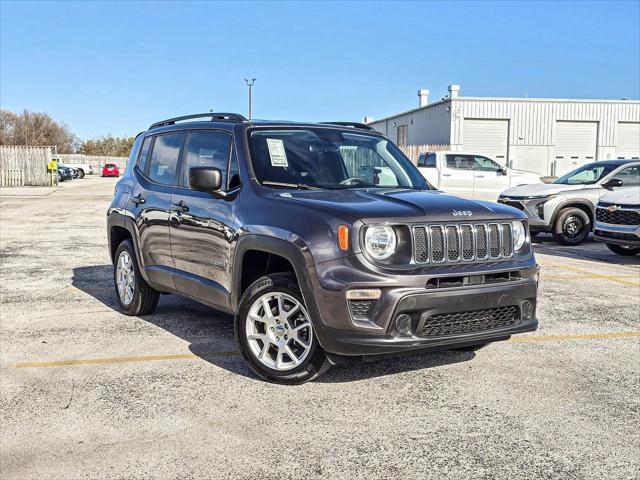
(462, 213)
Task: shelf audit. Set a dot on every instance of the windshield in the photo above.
(587, 174)
(330, 158)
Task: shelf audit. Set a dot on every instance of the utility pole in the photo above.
(250, 84)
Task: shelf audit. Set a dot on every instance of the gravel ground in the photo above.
(168, 397)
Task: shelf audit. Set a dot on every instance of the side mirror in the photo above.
(206, 179)
(503, 171)
(613, 183)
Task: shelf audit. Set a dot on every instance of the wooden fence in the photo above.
(414, 151)
(96, 161)
(20, 166)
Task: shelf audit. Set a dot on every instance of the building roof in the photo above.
(507, 99)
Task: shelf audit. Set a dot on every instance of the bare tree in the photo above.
(35, 128)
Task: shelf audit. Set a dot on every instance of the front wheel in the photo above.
(275, 332)
(623, 250)
(80, 173)
(572, 226)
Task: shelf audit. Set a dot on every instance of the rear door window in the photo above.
(430, 161)
(163, 164)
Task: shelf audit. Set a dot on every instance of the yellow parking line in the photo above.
(584, 336)
(111, 360)
(191, 356)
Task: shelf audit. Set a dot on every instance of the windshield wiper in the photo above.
(298, 186)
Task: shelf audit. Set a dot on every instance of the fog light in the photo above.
(403, 324)
(528, 310)
(372, 294)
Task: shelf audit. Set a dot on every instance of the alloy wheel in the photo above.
(278, 331)
(125, 278)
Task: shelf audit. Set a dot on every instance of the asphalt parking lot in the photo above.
(86, 392)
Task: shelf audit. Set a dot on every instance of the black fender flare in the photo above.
(292, 252)
(577, 204)
(115, 219)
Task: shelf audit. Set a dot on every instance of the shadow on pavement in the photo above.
(589, 250)
(210, 333)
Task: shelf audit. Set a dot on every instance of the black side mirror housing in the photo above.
(503, 171)
(206, 179)
(613, 183)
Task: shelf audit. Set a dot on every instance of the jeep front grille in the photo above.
(462, 242)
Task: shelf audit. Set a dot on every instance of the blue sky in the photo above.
(115, 67)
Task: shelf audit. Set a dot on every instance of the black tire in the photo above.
(622, 250)
(316, 361)
(145, 299)
(572, 226)
(471, 348)
(80, 173)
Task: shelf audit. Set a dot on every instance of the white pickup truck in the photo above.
(471, 175)
(81, 169)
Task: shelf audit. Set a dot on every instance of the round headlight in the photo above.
(380, 241)
(519, 235)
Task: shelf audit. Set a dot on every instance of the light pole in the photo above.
(250, 84)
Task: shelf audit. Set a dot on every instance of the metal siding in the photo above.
(426, 126)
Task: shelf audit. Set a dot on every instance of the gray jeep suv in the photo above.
(323, 240)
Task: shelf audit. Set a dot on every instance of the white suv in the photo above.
(471, 175)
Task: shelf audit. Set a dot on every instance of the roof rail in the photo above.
(234, 117)
(363, 126)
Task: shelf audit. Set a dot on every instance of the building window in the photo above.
(402, 136)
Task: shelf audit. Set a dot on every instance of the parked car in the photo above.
(323, 240)
(471, 175)
(618, 221)
(74, 172)
(81, 169)
(110, 170)
(65, 173)
(566, 207)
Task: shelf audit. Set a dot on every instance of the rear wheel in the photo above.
(275, 332)
(572, 226)
(135, 296)
(622, 250)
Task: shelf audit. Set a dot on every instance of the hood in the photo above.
(623, 196)
(400, 204)
(540, 189)
(523, 174)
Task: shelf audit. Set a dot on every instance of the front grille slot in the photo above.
(617, 217)
(466, 242)
(470, 321)
(437, 244)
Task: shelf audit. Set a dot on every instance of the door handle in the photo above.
(138, 199)
(479, 176)
(446, 174)
(179, 207)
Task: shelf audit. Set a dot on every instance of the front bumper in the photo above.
(626, 235)
(539, 211)
(342, 333)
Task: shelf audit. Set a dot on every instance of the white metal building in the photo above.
(544, 135)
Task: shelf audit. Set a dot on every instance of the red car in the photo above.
(110, 170)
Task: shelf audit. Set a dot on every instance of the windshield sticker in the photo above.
(277, 152)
